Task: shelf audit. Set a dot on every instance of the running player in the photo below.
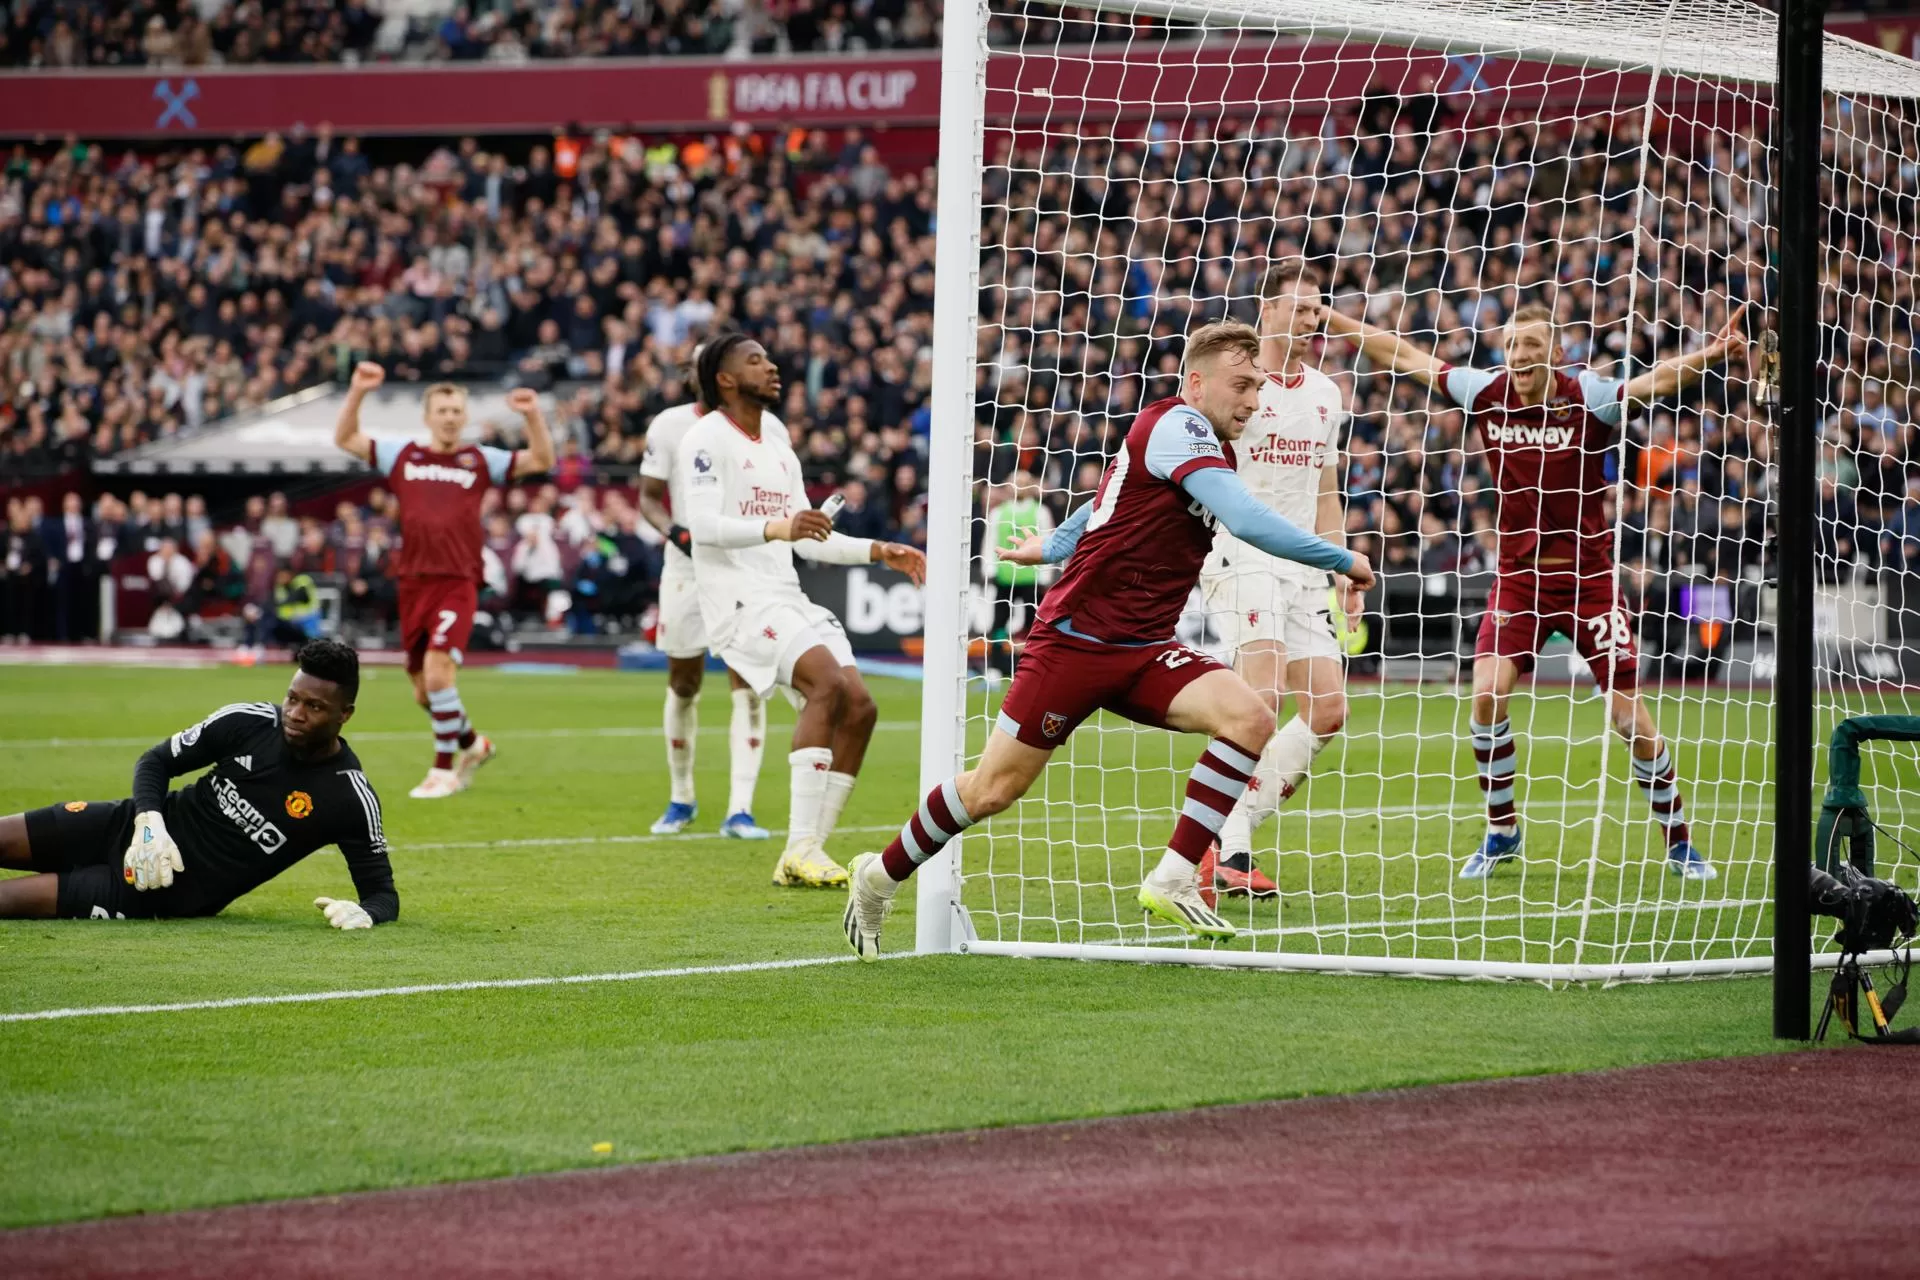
(439, 486)
(1547, 435)
(1274, 614)
(1103, 639)
(284, 783)
(682, 636)
(744, 498)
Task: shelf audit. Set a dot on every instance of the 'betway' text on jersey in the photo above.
(1548, 462)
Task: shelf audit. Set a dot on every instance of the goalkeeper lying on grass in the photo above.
(283, 784)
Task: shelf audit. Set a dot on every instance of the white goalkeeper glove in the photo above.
(153, 857)
(343, 913)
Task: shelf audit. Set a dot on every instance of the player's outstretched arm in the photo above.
(1388, 349)
(1676, 373)
(1222, 492)
(1055, 547)
(346, 431)
(537, 458)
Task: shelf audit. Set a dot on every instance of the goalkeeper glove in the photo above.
(343, 913)
(680, 537)
(153, 857)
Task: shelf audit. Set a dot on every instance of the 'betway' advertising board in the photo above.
(882, 611)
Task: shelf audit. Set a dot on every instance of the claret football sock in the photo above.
(939, 819)
(1216, 784)
(449, 724)
(1493, 759)
(1658, 779)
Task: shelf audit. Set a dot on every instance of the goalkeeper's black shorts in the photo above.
(84, 842)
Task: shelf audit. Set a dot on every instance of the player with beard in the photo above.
(748, 514)
(682, 636)
(1548, 432)
(284, 783)
(1104, 639)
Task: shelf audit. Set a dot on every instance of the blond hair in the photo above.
(1217, 339)
(444, 389)
(1531, 313)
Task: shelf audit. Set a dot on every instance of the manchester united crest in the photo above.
(299, 804)
(75, 806)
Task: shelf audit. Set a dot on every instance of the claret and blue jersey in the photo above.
(1137, 549)
(1548, 462)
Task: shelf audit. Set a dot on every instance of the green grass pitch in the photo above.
(543, 870)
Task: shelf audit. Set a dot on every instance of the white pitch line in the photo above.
(427, 988)
(409, 735)
(536, 842)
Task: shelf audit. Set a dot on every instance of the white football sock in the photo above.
(809, 766)
(682, 724)
(1283, 766)
(1236, 833)
(1174, 872)
(747, 739)
(839, 787)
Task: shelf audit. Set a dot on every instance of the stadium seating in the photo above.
(146, 293)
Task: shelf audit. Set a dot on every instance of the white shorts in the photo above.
(1245, 607)
(767, 642)
(681, 631)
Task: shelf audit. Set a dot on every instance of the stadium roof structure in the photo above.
(1731, 40)
(294, 435)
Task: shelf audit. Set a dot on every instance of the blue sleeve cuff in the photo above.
(1253, 522)
(1061, 542)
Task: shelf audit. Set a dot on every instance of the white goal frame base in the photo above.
(1388, 966)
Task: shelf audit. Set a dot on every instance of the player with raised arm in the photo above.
(748, 513)
(439, 486)
(1275, 614)
(1547, 435)
(284, 783)
(682, 636)
(1104, 638)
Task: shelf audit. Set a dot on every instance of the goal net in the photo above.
(1137, 167)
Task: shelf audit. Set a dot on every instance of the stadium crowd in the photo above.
(1101, 253)
(142, 295)
(185, 33)
(555, 560)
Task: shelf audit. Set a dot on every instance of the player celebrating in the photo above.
(283, 784)
(1273, 614)
(683, 638)
(744, 498)
(1547, 434)
(1103, 637)
(440, 485)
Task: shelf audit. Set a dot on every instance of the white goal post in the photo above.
(1116, 173)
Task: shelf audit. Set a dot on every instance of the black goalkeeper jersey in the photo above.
(259, 810)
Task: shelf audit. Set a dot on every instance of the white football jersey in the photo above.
(1292, 438)
(665, 434)
(722, 467)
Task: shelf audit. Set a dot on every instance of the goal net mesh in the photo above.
(1442, 163)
